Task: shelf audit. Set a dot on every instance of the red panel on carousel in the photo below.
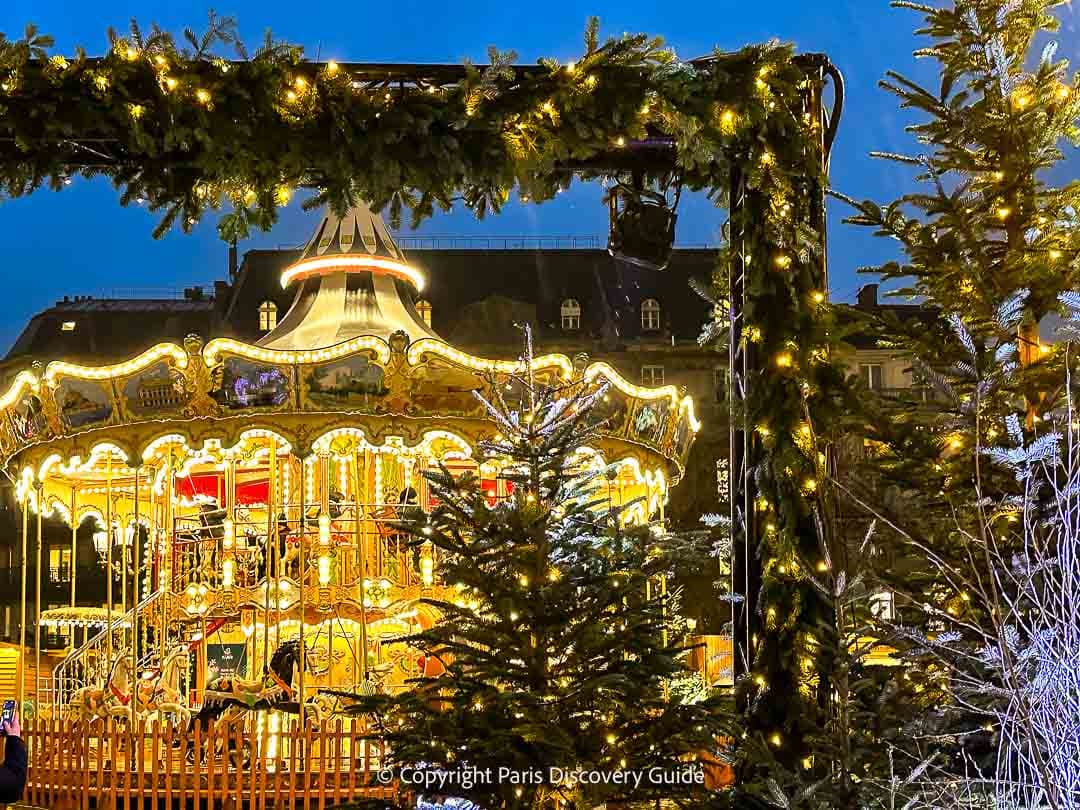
(212, 485)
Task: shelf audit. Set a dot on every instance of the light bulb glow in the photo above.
(325, 265)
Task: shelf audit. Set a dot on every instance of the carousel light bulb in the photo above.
(331, 68)
(203, 96)
(227, 572)
(227, 533)
(324, 570)
(324, 530)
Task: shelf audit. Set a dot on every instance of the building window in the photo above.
(423, 309)
(921, 385)
(881, 606)
(652, 375)
(267, 316)
(67, 326)
(59, 565)
(870, 373)
(650, 315)
(571, 314)
(719, 385)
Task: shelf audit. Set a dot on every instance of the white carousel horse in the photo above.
(161, 695)
(109, 700)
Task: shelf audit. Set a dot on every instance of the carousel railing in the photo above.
(85, 665)
(378, 542)
(273, 763)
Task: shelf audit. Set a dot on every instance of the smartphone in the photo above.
(7, 715)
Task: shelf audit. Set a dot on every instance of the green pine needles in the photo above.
(562, 655)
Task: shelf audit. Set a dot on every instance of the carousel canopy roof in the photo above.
(353, 281)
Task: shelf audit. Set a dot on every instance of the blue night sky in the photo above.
(83, 242)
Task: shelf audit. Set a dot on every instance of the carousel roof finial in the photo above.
(353, 281)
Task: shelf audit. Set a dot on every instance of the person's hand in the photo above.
(13, 729)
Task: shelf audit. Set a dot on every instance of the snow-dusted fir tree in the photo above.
(1025, 670)
(987, 219)
(1002, 647)
(560, 651)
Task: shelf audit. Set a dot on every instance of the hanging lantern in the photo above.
(642, 227)
(101, 543)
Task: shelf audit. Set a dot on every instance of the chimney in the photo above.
(234, 264)
(867, 296)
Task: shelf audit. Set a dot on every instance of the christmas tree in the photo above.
(561, 650)
(989, 245)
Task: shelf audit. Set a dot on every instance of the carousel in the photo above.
(245, 496)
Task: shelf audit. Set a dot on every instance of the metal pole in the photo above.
(270, 552)
(302, 578)
(74, 549)
(22, 600)
(165, 552)
(324, 460)
(37, 601)
(360, 544)
(108, 566)
(135, 605)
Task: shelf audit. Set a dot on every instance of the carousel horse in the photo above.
(161, 695)
(109, 700)
(227, 698)
(273, 691)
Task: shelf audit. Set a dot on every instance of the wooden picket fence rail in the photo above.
(77, 766)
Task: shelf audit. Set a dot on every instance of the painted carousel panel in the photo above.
(27, 418)
(250, 384)
(650, 419)
(158, 389)
(83, 403)
(352, 383)
(611, 410)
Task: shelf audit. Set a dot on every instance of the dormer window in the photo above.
(67, 326)
(423, 309)
(267, 316)
(571, 314)
(650, 315)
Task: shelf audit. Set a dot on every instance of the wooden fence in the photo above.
(78, 765)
